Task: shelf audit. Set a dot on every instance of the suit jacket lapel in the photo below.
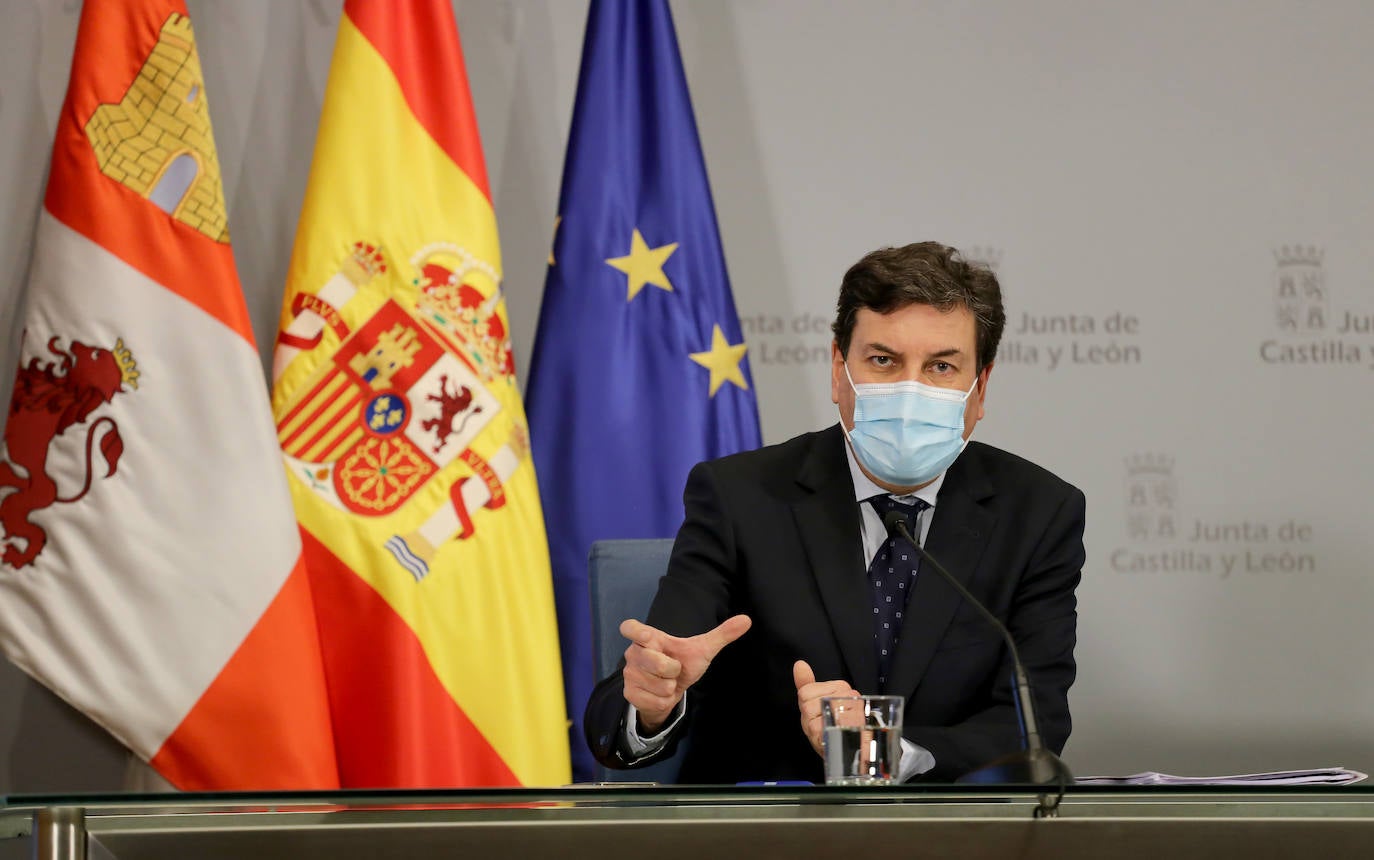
(828, 524)
(958, 534)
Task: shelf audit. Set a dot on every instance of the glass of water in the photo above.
(862, 739)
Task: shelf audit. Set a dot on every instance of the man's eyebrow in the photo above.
(948, 352)
(951, 352)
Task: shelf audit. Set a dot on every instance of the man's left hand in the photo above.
(809, 695)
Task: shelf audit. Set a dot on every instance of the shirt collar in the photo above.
(864, 488)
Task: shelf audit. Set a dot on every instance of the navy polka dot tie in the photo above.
(891, 577)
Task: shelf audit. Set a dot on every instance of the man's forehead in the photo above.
(918, 328)
(937, 351)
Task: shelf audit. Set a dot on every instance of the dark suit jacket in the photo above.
(774, 534)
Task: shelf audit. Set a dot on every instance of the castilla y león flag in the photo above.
(152, 573)
(403, 431)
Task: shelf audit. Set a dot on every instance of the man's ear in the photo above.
(983, 376)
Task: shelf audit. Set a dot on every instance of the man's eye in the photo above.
(882, 360)
(942, 367)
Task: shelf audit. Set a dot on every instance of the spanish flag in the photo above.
(403, 431)
(152, 575)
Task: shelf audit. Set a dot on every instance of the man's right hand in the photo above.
(659, 668)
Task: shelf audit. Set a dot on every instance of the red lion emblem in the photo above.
(451, 405)
(48, 400)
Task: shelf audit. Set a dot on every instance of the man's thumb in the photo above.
(802, 674)
(726, 632)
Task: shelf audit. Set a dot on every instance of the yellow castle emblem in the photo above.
(157, 139)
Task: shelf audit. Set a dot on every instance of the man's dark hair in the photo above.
(925, 273)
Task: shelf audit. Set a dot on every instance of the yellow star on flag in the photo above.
(723, 361)
(644, 265)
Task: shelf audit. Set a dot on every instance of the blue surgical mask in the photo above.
(906, 433)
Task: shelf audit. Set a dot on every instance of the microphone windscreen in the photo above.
(891, 519)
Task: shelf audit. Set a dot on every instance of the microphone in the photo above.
(1035, 764)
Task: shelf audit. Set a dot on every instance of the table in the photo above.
(700, 823)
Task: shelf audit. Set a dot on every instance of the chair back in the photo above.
(623, 576)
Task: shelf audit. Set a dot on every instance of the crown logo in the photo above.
(364, 263)
(462, 293)
(1299, 255)
(1139, 465)
(457, 263)
(128, 368)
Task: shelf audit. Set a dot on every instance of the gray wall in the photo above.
(1135, 173)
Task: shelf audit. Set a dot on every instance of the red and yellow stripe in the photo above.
(325, 423)
(453, 679)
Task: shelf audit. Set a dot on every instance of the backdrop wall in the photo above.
(1176, 196)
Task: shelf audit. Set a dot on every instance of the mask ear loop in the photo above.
(854, 389)
(974, 386)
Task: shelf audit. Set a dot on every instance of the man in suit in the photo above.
(783, 571)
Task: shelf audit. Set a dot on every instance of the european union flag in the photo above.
(639, 368)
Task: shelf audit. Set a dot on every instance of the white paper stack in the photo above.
(1317, 776)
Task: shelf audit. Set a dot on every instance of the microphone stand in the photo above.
(1033, 765)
